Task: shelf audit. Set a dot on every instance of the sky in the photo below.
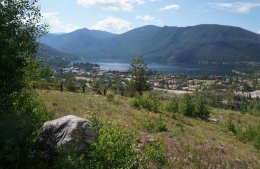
(119, 16)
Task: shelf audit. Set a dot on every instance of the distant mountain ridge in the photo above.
(193, 44)
(54, 58)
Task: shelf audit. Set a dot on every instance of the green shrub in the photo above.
(250, 134)
(201, 109)
(231, 126)
(70, 161)
(194, 107)
(110, 97)
(186, 106)
(135, 103)
(150, 102)
(172, 106)
(20, 127)
(155, 152)
(154, 124)
(115, 148)
(70, 84)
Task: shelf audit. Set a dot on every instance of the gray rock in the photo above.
(69, 132)
(213, 120)
(149, 139)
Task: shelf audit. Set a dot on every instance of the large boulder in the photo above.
(67, 133)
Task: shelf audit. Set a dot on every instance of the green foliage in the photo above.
(115, 148)
(250, 134)
(186, 106)
(154, 124)
(155, 152)
(201, 108)
(70, 160)
(20, 28)
(21, 112)
(96, 86)
(194, 107)
(138, 71)
(110, 97)
(150, 102)
(19, 129)
(254, 108)
(45, 73)
(172, 106)
(231, 126)
(70, 84)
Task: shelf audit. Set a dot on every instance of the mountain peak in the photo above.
(205, 43)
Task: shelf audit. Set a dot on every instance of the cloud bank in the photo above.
(113, 24)
(113, 5)
(238, 7)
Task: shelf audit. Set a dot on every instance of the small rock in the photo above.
(139, 146)
(238, 160)
(221, 145)
(213, 120)
(149, 139)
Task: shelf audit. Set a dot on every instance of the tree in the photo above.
(138, 71)
(186, 107)
(201, 108)
(21, 113)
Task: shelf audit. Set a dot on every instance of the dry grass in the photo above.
(191, 143)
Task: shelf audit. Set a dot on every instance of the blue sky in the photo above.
(119, 16)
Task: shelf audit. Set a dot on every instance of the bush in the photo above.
(110, 97)
(194, 107)
(70, 161)
(172, 106)
(20, 127)
(70, 84)
(250, 134)
(231, 126)
(116, 148)
(155, 152)
(186, 107)
(150, 102)
(154, 124)
(201, 109)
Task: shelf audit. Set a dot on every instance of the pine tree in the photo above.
(186, 107)
(138, 72)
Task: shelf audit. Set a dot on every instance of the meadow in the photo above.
(188, 142)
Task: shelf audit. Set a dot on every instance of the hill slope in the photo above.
(54, 58)
(194, 44)
(190, 143)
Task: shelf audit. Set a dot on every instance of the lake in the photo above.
(177, 68)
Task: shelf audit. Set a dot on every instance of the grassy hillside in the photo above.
(190, 143)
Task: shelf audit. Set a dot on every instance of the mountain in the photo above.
(193, 44)
(53, 57)
(75, 41)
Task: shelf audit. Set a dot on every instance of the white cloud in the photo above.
(113, 24)
(148, 20)
(56, 25)
(145, 18)
(258, 32)
(238, 7)
(169, 7)
(113, 5)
